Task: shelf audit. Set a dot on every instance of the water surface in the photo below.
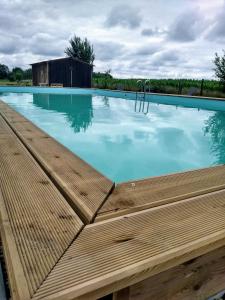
(127, 139)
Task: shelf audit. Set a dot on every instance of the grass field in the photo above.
(211, 88)
(16, 83)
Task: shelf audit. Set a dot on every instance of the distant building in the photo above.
(67, 72)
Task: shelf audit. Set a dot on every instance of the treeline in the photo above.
(16, 74)
(102, 75)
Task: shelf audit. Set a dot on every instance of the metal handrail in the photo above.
(147, 81)
(143, 85)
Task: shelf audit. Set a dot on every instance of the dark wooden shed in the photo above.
(67, 72)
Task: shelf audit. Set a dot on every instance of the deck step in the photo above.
(151, 192)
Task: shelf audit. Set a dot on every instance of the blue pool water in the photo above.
(123, 138)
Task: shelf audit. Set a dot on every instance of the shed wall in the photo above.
(81, 74)
(40, 73)
(68, 72)
(59, 72)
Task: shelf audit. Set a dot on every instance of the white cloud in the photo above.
(142, 38)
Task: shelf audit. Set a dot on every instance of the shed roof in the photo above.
(62, 58)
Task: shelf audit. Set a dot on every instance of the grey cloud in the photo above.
(19, 17)
(47, 45)
(217, 30)
(107, 51)
(148, 32)
(166, 57)
(123, 15)
(147, 50)
(10, 44)
(187, 27)
(153, 32)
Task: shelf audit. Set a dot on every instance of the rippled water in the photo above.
(127, 139)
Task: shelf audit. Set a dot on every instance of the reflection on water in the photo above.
(77, 108)
(128, 139)
(142, 106)
(105, 101)
(215, 127)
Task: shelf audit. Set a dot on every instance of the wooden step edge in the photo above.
(101, 216)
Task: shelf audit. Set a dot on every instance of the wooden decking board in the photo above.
(113, 254)
(138, 195)
(37, 223)
(197, 279)
(83, 186)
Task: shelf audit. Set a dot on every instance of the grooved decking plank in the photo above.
(37, 224)
(196, 279)
(83, 186)
(142, 194)
(119, 252)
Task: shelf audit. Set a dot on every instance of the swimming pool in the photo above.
(125, 138)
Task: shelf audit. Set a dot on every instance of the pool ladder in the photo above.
(143, 84)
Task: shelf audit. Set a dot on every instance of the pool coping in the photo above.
(119, 91)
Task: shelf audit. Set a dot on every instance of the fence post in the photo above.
(180, 87)
(178, 90)
(201, 90)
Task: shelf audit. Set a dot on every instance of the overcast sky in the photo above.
(138, 38)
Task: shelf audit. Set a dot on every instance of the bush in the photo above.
(4, 71)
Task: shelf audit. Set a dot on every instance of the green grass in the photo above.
(16, 83)
(211, 88)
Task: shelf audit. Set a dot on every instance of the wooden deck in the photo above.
(119, 252)
(162, 238)
(84, 187)
(37, 224)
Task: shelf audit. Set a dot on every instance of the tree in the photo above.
(17, 73)
(27, 74)
(100, 75)
(17, 70)
(4, 71)
(220, 67)
(80, 49)
(108, 73)
(11, 76)
(18, 76)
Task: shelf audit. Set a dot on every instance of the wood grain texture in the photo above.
(116, 253)
(18, 283)
(123, 294)
(142, 194)
(37, 223)
(83, 186)
(196, 279)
